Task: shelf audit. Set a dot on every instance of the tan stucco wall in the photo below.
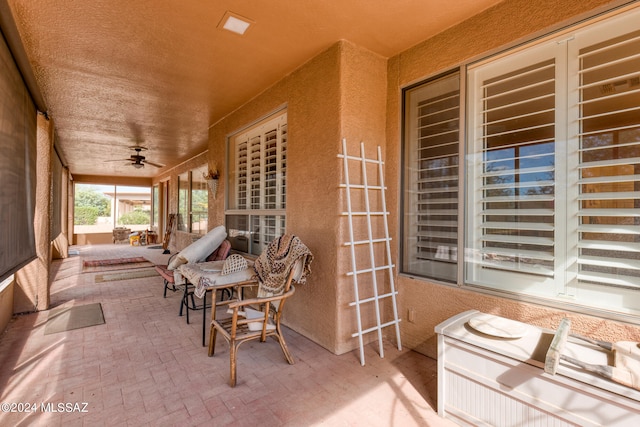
(338, 94)
(505, 24)
(31, 292)
(363, 119)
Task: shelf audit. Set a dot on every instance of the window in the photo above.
(183, 202)
(553, 168)
(430, 173)
(199, 201)
(100, 208)
(155, 207)
(193, 201)
(256, 197)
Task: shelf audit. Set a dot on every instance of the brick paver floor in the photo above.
(146, 367)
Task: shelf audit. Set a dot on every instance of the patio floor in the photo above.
(146, 366)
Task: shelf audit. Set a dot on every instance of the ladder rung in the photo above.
(362, 159)
(370, 270)
(365, 213)
(364, 242)
(379, 297)
(375, 328)
(362, 186)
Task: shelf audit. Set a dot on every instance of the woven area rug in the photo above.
(92, 266)
(125, 275)
(79, 316)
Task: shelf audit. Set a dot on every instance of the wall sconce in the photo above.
(212, 178)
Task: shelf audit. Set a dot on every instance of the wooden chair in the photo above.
(251, 319)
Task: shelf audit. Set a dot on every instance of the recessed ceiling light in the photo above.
(235, 23)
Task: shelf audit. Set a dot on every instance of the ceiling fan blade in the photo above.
(118, 160)
(158, 165)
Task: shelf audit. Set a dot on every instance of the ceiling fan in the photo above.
(137, 160)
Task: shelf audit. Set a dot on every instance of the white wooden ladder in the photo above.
(365, 279)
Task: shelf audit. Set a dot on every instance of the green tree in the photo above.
(89, 205)
(89, 196)
(85, 215)
(135, 217)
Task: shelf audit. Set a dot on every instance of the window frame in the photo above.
(186, 200)
(407, 158)
(255, 202)
(564, 299)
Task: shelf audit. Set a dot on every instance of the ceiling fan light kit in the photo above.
(137, 160)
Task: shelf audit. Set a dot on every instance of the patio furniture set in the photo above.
(248, 296)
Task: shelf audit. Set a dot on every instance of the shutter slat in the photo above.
(443, 201)
(518, 212)
(519, 171)
(609, 246)
(519, 185)
(627, 264)
(610, 162)
(518, 226)
(620, 195)
(516, 267)
(542, 256)
(518, 130)
(610, 179)
(434, 223)
(519, 198)
(609, 279)
(610, 212)
(439, 235)
(525, 240)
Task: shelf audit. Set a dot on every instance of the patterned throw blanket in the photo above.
(277, 260)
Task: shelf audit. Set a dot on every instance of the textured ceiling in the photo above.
(158, 73)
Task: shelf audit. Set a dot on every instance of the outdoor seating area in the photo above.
(145, 367)
(198, 270)
(121, 235)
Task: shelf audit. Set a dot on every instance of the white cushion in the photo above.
(250, 313)
(178, 279)
(200, 249)
(204, 279)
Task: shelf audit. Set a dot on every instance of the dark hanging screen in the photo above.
(17, 167)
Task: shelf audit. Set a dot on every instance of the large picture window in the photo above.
(98, 208)
(193, 201)
(256, 195)
(553, 168)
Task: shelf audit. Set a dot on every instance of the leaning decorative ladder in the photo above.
(373, 217)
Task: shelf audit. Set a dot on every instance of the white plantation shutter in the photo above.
(431, 204)
(517, 202)
(513, 181)
(554, 168)
(609, 164)
(257, 198)
(241, 174)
